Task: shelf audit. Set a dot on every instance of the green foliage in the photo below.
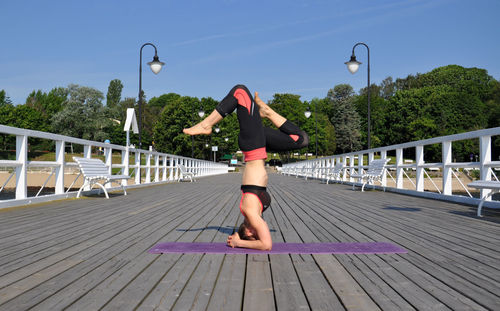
(83, 115)
(446, 100)
(178, 113)
(113, 98)
(292, 108)
(20, 116)
(47, 104)
(378, 111)
(114, 94)
(345, 118)
(4, 99)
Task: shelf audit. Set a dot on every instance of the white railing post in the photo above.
(148, 168)
(361, 161)
(485, 158)
(21, 171)
(419, 160)
(176, 168)
(137, 167)
(108, 158)
(60, 168)
(399, 169)
(164, 168)
(171, 176)
(351, 167)
(157, 168)
(87, 151)
(447, 175)
(344, 170)
(126, 164)
(383, 155)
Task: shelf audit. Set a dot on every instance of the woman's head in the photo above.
(247, 232)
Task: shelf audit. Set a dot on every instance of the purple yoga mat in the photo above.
(280, 248)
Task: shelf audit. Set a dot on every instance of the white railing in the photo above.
(445, 170)
(149, 167)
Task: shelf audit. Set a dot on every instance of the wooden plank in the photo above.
(150, 226)
(95, 299)
(320, 295)
(409, 294)
(259, 292)
(135, 292)
(382, 226)
(352, 295)
(96, 260)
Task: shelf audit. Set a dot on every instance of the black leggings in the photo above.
(254, 139)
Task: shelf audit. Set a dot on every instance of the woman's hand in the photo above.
(233, 240)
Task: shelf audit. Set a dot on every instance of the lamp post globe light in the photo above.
(155, 66)
(353, 66)
(201, 113)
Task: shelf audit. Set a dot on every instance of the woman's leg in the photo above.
(252, 140)
(288, 137)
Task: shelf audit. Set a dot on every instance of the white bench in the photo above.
(494, 186)
(335, 172)
(185, 173)
(94, 171)
(376, 170)
(309, 172)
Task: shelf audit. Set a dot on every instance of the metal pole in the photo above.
(369, 93)
(316, 119)
(140, 90)
(140, 98)
(192, 136)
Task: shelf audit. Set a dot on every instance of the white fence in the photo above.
(439, 177)
(149, 167)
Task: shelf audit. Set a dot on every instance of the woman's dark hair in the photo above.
(242, 232)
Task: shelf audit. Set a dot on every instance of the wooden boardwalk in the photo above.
(91, 253)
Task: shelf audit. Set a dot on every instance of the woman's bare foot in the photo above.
(205, 126)
(268, 113)
(198, 129)
(264, 109)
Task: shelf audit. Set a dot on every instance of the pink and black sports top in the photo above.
(260, 192)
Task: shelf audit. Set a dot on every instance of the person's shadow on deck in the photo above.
(225, 230)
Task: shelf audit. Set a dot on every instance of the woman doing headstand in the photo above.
(255, 141)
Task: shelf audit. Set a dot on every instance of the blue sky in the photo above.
(294, 46)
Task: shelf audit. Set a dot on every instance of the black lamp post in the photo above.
(307, 114)
(353, 66)
(155, 66)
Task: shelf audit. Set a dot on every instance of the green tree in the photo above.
(377, 112)
(433, 111)
(387, 88)
(4, 99)
(167, 131)
(113, 98)
(48, 104)
(345, 118)
(114, 95)
(320, 109)
(83, 115)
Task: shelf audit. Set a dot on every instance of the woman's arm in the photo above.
(251, 207)
(264, 242)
